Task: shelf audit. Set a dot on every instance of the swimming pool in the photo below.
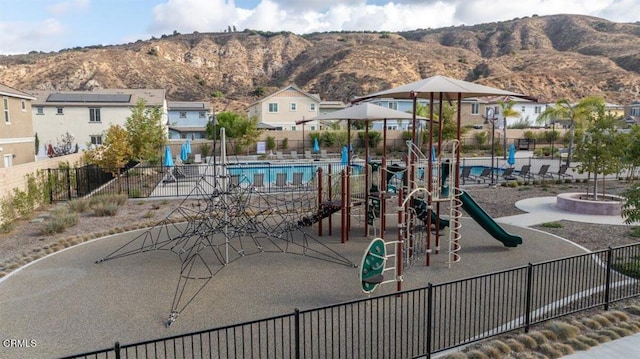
(270, 171)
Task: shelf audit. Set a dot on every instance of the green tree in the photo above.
(575, 113)
(507, 110)
(36, 143)
(242, 130)
(449, 125)
(114, 153)
(145, 132)
(602, 149)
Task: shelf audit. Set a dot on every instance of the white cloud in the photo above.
(66, 7)
(20, 37)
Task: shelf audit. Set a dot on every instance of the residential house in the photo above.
(16, 134)
(86, 115)
(283, 108)
(632, 113)
(470, 112)
(528, 111)
(188, 120)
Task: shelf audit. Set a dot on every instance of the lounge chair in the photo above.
(508, 175)
(323, 154)
(234, 182)
(281, 180)
(279, 155)
(466, 175)
(308, 155)
(297, 180)
(258, 180)
(562, 172)
(485, 175)
(525, 172)
(543, 172)
(294, 155)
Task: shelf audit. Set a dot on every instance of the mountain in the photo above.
(551, 57)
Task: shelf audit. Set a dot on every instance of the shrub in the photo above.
(552, 225)
(635, 232)
(105, 209)
(563, 330)
(61, 219)
(79, 205)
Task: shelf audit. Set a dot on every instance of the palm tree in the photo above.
(506, 106)
(575, 113)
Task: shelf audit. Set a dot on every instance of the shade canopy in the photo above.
(449, 87)
(365, 112)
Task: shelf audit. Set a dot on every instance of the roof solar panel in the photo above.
(89, 97)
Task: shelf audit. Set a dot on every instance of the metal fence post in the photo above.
(116, 350)
(607, 289)
(296, 323)
(68, 184)
(50, 181)
(527, 314)
(429, 318)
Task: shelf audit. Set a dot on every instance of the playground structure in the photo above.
(220, 222)
(428, 181)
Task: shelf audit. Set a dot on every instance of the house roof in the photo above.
(99, 97)
(187, 106)
(314, 97)
(10, 91)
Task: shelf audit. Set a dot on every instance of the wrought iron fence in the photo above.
(419, 322)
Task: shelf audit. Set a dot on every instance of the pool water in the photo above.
(271, 171)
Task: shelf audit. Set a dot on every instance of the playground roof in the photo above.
(449, 87)
(364, 111)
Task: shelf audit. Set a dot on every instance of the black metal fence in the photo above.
(419, 322)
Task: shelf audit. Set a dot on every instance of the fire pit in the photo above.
(606, 205)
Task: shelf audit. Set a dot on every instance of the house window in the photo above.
(313, 128)
(203, 114)
(183, 114)
(96, 140)
(312, 107)
(635, 111)
(523, 109)
(293, 128)
(5, 105)
(393, 105)
(39, 110)
(293, 106)
(94, 115)
(23, 104)
(537, 109)
(59, 111)
(475, 108)
(273, 107)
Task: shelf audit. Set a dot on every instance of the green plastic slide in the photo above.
(479, 215)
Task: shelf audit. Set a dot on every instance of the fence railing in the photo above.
(418, 322)
(155, 181)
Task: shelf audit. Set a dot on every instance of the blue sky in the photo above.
(52, 25)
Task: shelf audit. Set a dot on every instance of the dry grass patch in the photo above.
(515, 345)
(527, 341)
(633, 309)
(602, 320)
(577, 344)
(549, 351)
(563, 331)
(476, 354)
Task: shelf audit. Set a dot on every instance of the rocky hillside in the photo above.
(551, 57)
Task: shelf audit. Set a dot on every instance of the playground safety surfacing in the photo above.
(68, 304)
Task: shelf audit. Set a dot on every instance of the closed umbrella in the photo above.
(184, 152)
(188, 147)
(511, 160)
(344, 159)
(316, 146)
(168, 158)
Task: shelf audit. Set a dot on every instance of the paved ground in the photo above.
(67, 304)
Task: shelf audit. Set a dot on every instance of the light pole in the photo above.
(490, 117)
